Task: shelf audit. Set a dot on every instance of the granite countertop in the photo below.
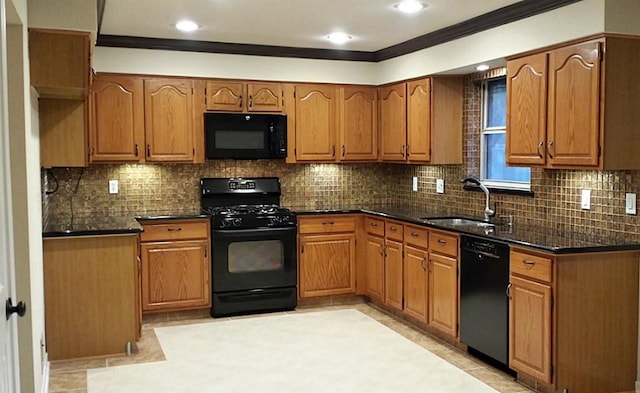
(545, 239)
(95, 225)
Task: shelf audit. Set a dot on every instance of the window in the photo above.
(495, 172)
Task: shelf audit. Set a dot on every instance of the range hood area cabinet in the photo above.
(331, 123)
(60, 66)
(138, 119)
(575, 106)
(421, 121)
(235, 96)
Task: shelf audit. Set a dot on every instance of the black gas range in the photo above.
(254, 260)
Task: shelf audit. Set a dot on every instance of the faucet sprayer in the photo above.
(488, 212)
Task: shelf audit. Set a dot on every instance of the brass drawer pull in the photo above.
(174, 229)
(373, 224)
(414, 234)
(327, 223)
(442, 241)
(393, 229)
(530, 263)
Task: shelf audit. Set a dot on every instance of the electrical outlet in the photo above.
(630, 203)
(415, 183)
(585, 200)
(113, 186)
(440, 186)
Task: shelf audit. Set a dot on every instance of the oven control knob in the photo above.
(231, 222)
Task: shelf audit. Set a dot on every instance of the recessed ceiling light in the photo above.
(187, 26)
(410, 6)
(339, 38)
(482, 67)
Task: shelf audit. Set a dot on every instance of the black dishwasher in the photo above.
(484, 306)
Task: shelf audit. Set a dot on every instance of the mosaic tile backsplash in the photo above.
(556, 204)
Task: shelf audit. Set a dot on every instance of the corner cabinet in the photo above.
(231, 96)
(176, 265)
(573, 107)
(553, 297)
(421, 121)
(326, 255)
(168, 110)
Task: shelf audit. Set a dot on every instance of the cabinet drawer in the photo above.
(374, 226)
(175, 230)
(532, 266)
(416, 236)
(326, 224)
(394, 230)
(444, 243)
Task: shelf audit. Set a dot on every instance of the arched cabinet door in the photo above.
(393, 123)
(316, 122)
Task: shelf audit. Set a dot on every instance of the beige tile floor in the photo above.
(71, 376)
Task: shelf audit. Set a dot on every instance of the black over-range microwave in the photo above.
(245, 136)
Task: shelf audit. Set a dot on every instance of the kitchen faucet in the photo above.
(488, 213)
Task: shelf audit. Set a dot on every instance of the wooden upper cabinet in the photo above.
(316, 122)
(358, 123)
(117, 119)
(393, 124)
(574, 105)
(419, 120)
(225, 96)
(63, 132)
(241, 97)
(526, 110)
(60, 63)
(169, 120)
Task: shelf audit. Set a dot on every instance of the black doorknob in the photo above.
(20, 308)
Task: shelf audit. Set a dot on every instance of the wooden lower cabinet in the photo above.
(176, 265)
(574, 319)
(375, 267)
(530, 328)
(326, 255)
(90, 295)
(393, 274)
(176, 275)
(416, 283)
(443, 293)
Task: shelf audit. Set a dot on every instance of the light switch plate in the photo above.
(440, 186)
(630, 203)
(113, 186)
(585, 200)
(415, 183)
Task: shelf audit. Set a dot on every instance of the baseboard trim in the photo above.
(45, 375)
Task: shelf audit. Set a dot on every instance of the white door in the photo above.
(9, 382)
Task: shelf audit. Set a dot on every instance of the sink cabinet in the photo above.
(574, 319)
(574, 107)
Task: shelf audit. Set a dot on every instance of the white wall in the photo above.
(27, 206)
(534, 32)
(64, 15)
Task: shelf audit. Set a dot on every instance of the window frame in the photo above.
(484, 130)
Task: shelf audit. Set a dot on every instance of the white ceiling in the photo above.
(373, 24)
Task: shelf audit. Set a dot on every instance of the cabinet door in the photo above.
(393, 274)
(264, 97)
(175, 275)
(63, 133)
(530, 328)
(169, 119)
(358, 125)
(574, 105)
(527, 110)
(225, 96)
(316, 122)
(416, 283)
(117, 119)
(419, 120)
(443, 293)
(327, 265)
(393, 122)
(375, 267)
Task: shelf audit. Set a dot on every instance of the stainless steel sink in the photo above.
(458, 222)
